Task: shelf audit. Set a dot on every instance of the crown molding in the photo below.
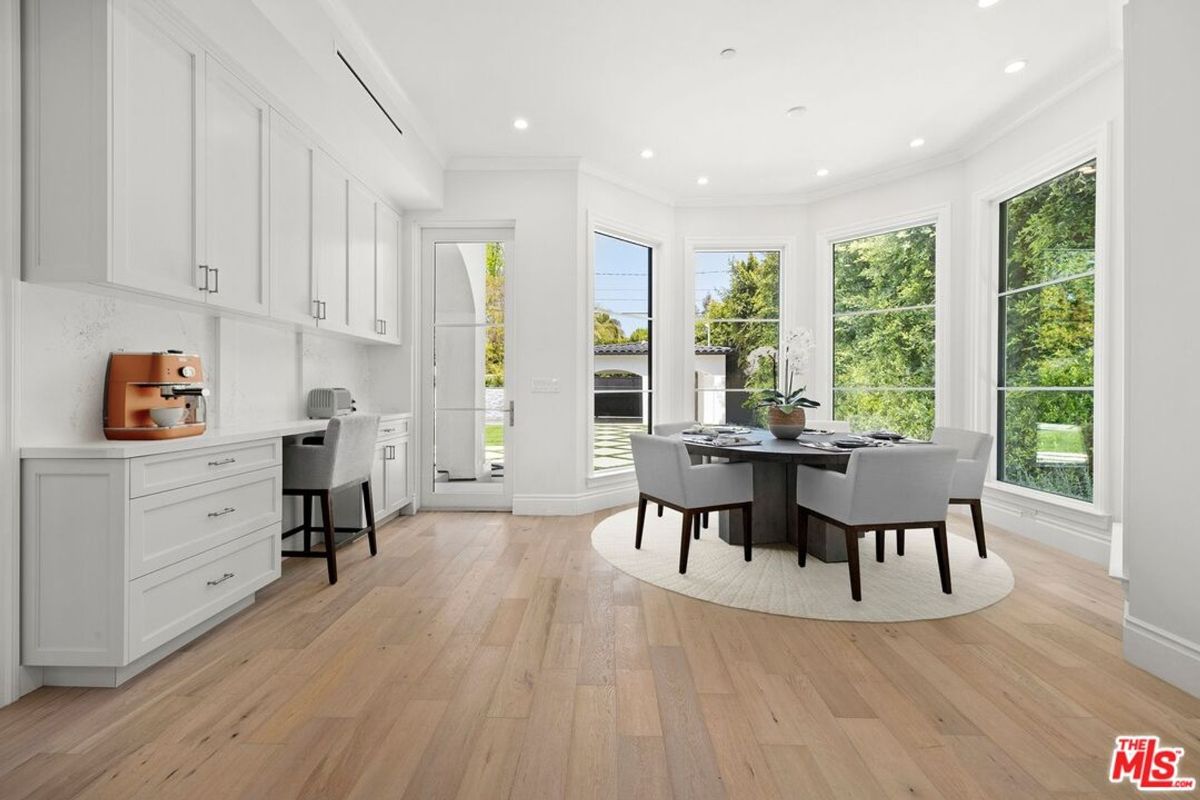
(513, 164)
(587, 167)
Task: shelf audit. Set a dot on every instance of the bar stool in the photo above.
(316, 467)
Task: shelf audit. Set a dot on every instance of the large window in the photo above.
(883, 331)
(737, 312)
(623, 347)
(1046, 305)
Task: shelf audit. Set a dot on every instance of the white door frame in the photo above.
(491, 497)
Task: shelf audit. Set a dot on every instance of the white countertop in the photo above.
(213, 437)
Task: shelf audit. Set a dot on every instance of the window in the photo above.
(884, 324)
(1046, 313)
(622, 349)
(737, 311)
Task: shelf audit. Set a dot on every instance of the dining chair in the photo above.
(674, 429)
(666, 475)
(966, 488)
(900, 487)
(316, 467)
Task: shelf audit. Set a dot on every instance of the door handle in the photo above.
(512, 413)
(221, 579)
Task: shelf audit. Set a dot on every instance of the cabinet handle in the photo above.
(384, 321)
(222, 462)
(222, 512)
(323, 312)
(388, 430)
(216, 284)
(221, 579)
(204, 288)
(316, 309)
(389, 452)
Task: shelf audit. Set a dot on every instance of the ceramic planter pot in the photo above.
(785, 425)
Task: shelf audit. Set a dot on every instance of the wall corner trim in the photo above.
(1162, 653)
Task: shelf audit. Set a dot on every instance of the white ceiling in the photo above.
(601, 80)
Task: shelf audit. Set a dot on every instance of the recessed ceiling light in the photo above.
(729, 52)
(796, 111)
(1015, 66)
(702, 180)
(918, 142)
(520, 123)
(987, 3)
(822, 172)
(647, 153)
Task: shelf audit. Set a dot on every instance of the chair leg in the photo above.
(747, 527)
(330, 544)
(637, 539)
(900, 542)
(660, 509)
(880, 539)
(696, 525)
(943, 555)
(306, 501)
(852, 562)
(977, 518)
(802, 535)
(369, 509)
(704, 522)
(685, 541)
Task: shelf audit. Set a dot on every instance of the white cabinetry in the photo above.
(126, 559)
(153, 167)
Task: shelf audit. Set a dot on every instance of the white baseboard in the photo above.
(1174, 659)
(569, 505)
(1084, 534)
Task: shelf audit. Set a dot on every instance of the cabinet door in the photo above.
(387, 272)
(378, 485)
(236, 193)
(157, 124)
(332, 233)
(395, 473)
(292, 262)
(361, 310)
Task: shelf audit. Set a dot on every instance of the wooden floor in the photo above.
(483, 655)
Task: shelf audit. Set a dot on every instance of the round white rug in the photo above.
(900, 589)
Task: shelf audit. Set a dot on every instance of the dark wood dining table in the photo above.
(775, 461)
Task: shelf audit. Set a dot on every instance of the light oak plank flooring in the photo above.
(485, 655)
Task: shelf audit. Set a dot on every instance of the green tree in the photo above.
(493, 261)
(752, 294)
(606, 329)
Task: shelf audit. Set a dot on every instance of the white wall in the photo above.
(1162, 549)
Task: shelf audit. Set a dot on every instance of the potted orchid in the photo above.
(785, 408)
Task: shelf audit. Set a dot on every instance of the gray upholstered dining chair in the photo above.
(666, 475)
(674, 429)
(970, 469)
(316, 467)
(898, 487)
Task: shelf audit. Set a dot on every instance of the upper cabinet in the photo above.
(153, 167)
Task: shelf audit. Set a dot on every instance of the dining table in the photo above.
(774, 462)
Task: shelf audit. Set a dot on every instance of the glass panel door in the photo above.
(467, 456)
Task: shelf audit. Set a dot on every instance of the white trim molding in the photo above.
(1059, 522)
(1162, 653)
(941, 218)
(570, 505)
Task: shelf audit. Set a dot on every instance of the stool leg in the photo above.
(307, 501)
(330, 545)
(369, 509)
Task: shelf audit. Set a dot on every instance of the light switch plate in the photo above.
(545, 385)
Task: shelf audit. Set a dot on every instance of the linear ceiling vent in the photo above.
(367, 89)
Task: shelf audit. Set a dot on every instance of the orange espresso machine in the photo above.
(154, 396)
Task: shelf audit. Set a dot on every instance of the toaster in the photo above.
(326, 403)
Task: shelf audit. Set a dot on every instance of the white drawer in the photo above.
(390, 427)
(168, 527)
(168, 602)
(158, 473)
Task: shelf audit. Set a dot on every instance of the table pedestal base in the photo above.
(775, 515)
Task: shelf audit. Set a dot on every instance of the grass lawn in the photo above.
(1060, 439)
(493, 434)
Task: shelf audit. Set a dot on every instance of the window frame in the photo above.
(656, 244)
(938, 216)
(1107, 431)
(696, 245)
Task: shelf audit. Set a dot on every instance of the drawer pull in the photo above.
(222, 462)
(222, 512)
(388, 430)
(221, 579)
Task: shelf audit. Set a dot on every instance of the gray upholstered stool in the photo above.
(317, 468)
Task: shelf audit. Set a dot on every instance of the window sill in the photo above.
(611, 478)
(1065, 506)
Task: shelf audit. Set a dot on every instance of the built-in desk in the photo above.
(131, 549)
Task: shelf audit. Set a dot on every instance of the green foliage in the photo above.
(891, 346)
(494, 314)
(1049, 334)
(606, 329)
(753, 293)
